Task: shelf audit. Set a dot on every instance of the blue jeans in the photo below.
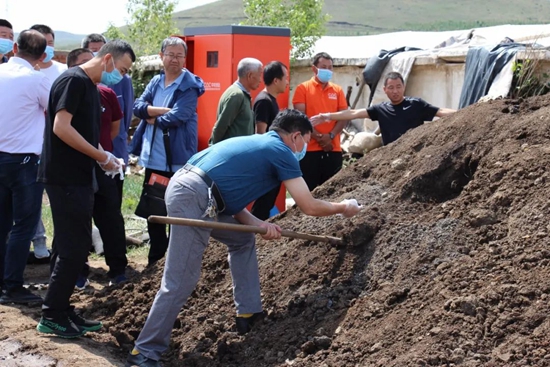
(20, 203)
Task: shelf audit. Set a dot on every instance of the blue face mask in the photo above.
(6, 45)
(302, 153)
(324, 75)
(112, 78)
(49, 54)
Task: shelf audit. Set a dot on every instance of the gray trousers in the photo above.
(187, 197)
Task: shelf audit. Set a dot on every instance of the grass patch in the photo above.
(131, 194)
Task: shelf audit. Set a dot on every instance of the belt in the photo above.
(210, 183)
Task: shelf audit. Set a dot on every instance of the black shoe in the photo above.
(19, 295)
(119, 279)
(82, 323)
(244, 324)
(32, 259)
(139, 360)
(61, 326)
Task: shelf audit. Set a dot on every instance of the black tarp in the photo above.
(482, 66)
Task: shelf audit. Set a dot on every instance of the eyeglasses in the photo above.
(172, 56)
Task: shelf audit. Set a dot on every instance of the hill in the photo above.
(360, 17)
(65, 41)
(448, 264)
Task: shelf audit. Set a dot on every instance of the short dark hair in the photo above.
(321, 55)
(73, 56)
(173, 41)
(290, 120)
(393, 76)
(31, 44)
(5, 23)
(117, 48)
(273, 70)
(93, 37)
(44, 29)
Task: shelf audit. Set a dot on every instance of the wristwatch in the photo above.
(331, 135)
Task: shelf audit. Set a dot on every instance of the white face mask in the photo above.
(300, 155)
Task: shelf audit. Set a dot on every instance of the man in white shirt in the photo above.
(52, 69)
(48, 66)
(21, 138)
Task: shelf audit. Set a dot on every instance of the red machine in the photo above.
(213, 54)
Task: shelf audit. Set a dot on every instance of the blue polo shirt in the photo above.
(247, 167)
(156, 159)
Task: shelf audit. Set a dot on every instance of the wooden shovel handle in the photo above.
(240, 228)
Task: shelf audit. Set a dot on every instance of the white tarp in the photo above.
(362, 47)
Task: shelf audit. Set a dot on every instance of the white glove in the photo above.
(320, 118)
(352, 207)
(118, 171)
(113, 163)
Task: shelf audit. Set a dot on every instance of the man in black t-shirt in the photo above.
(69, 155)
(396, 117)
(265, 110)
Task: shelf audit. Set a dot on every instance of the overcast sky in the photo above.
(74, 16)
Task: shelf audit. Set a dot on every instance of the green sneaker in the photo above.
(62, 327)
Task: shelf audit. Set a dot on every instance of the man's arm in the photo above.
(245, 217)
(444, 112)
(154, 111)
(300, 107)
(343, 115)
(143, 107)
(299, 191)
(67, 133)
(43, 90)
(262, 109)
(261, 127)
(115, 128)
(183, 110)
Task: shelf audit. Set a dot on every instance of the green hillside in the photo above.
(359, 17)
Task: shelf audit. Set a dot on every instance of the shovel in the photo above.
(240, 228)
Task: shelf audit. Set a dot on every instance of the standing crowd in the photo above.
(64, 131)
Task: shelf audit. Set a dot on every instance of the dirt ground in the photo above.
(447, 265)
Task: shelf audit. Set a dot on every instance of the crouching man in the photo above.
(217, 184)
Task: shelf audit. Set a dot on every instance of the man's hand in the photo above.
(273, 231)
(320, 119)
(328, 148)
(151, 121)
(352, 207)
(324, 140)
(110, 164)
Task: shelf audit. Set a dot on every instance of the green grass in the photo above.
(359, 17)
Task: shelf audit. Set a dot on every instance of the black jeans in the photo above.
(318, 167)
(72, 207)
(158, 237)
(263, 205)
(108, 219)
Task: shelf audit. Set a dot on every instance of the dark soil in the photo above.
(447, 265)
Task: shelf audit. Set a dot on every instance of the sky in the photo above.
(74, 16)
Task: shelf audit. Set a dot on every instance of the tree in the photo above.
(150, 23)
(305, 19)
(114, 33)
